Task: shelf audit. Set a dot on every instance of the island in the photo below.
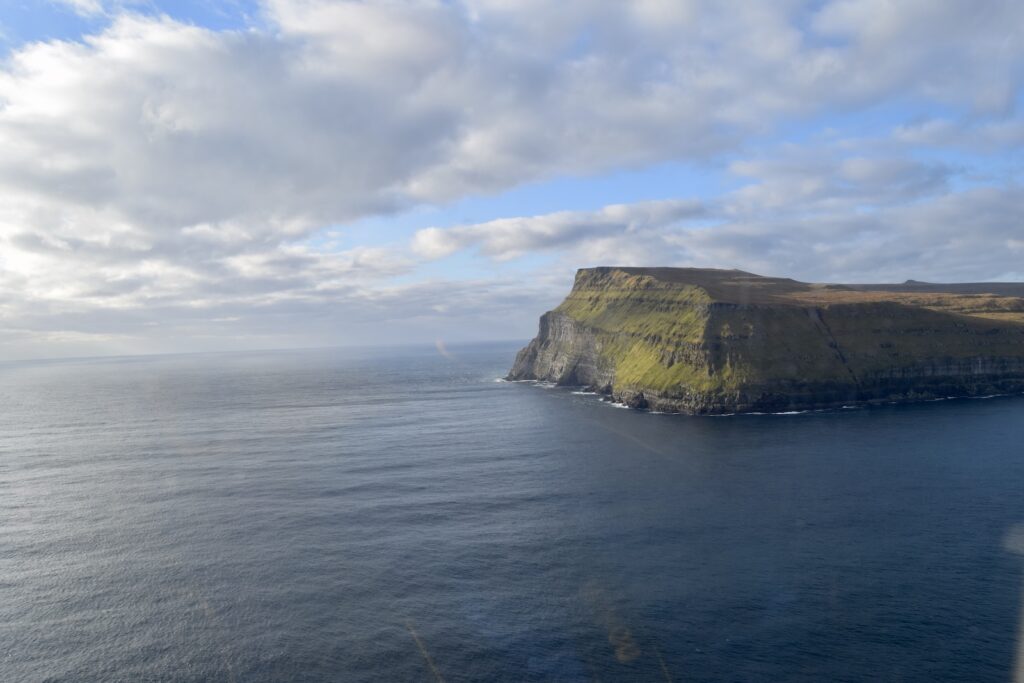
(708, 341)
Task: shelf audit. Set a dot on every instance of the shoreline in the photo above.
(616, 400)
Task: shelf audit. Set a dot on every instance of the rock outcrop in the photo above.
(717, 341)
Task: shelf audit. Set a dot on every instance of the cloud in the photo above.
(161, 166)
(959, 236)
(984, 136)
(890, 44)
(808, 213)
(348, 108)
(86, 8)
(508, 238)
(816, 178)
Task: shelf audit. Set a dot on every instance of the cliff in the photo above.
(718, 341)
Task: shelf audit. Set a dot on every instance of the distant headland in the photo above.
(710, 341)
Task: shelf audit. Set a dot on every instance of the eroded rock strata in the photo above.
(718, 341)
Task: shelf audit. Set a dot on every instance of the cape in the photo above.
(708, 341)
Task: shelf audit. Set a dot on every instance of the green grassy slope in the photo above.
(728, 337)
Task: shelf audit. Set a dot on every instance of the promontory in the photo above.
(725, 341)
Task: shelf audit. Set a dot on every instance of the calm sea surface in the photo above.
(401, 516)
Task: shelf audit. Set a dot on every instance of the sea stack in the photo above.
(706, 341)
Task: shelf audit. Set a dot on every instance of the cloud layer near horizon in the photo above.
(163, 181)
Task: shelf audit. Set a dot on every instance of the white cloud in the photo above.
(86, 8)
(984, 136)
(815, 215)
(508, 238)
(162, 166)
(955, 236)
(893, 43)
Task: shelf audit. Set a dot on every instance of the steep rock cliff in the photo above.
(715, 341)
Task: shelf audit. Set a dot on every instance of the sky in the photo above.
(251, 174)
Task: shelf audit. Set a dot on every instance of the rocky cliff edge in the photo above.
(724, 341)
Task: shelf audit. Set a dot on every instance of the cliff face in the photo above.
(711, 341)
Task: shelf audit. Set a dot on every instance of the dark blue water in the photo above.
(401, 516)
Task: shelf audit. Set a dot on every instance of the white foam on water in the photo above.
(615, 404)
(784, 412)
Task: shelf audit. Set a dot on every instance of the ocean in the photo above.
(401, 515)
